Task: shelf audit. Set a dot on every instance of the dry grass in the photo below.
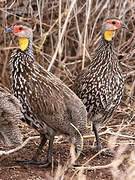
(65, 35)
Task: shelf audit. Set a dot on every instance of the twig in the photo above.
(96, 167)
(83, 167)
(86, 29)
(130, 73)
(132, 90)
(39, 14)
(60, 17)
(56, 137)
(78, 30)
(19, 147)
(110, 133)
(61, 36)
(71, 58)
(80, 137)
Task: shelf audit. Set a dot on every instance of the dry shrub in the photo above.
(66, 33)
(81, 35)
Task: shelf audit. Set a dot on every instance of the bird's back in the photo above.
(45, 98)
(59, 106)
(10, 113)
(101, 84)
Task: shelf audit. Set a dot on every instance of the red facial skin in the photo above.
(18, 29)
(115, 23)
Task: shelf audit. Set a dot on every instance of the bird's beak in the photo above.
(9, 30)
(124, 26)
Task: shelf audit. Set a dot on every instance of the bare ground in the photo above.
(96, 167)
(66, 66)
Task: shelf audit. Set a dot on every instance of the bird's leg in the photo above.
(99, 146)
(76, 151)
(39, 150)
(34, 158)
(49, 155)
(97, 137)
(77, 154)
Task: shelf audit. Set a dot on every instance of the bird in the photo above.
(10, 114)
(100, 85)
(48, 105)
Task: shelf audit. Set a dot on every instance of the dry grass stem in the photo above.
(66, 34)
(62, 33)
(19, 147)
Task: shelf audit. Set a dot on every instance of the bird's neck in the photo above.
(21, 62)
(104, 55)
(108, 35)
(25, 44)
(105, 45)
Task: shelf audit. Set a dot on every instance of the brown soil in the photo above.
(9, 169)
(66, 67)
(12, 170)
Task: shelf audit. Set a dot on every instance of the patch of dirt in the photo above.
(66, 69)
(10, 170)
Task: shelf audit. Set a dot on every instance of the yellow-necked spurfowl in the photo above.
(100, 85)
(49, 105)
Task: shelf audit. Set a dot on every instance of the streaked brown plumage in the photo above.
(49, 106)
(100, 85)
(10, 113)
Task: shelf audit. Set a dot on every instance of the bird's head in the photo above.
(24, 33)
(110, 26)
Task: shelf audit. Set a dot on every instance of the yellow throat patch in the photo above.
(108, 35)
(23, 43)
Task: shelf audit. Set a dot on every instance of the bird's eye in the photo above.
(20, 28)
(113, 22)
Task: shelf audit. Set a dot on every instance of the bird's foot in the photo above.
(103, 152)
(39, 164)
(76, 165)
(45, 164)
(26, 161)
(107, 153)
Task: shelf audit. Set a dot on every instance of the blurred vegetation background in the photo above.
(66, 33)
